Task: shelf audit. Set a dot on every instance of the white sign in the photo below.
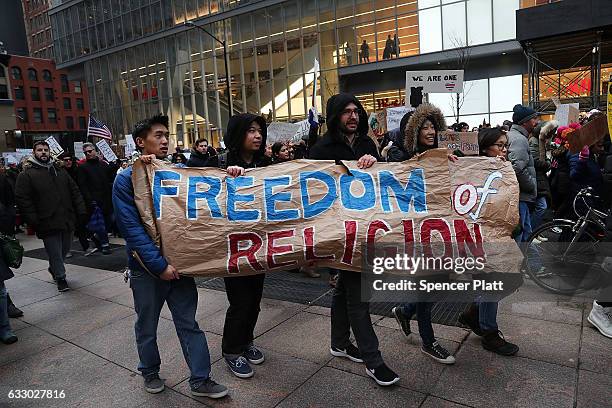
(567, 113)
(130, 146)
(281, 131)
(54, 147)
(395, 115)
(106, 150)
(78, 150)
(15, 157)
(435, 81)
(303, 131)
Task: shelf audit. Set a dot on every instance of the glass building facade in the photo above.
(138, 58)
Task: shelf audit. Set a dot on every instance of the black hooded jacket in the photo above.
(332, 145)
(197, 159)
(234, 138)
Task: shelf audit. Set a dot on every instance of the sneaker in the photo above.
(403, 321)
(9, 338)
(209, 389)
(62, 285)
(239, 366)
(351, 352)
(90, 251)
(470, 319)
(601, 318)
(542, 238)
(333, 280)
(254, 355)
(383, 375)
(154, 384)
(106, 250)
(494, 341)
(438, 353)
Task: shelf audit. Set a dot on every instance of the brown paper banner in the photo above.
(283, 216)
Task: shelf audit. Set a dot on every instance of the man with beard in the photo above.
(347, 139)
(50, 201)
(200, 153)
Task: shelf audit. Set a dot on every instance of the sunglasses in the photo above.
(88, 151)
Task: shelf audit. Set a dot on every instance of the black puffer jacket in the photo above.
(48, 198)
(234, 138)
(95, 180)
(332, 145)
(7, 220)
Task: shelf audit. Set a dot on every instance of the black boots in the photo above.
(494, 341)
(13, 311)
(470, 319)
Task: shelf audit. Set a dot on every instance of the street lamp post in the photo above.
(225, 59)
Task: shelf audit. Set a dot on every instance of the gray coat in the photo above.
(522, 162)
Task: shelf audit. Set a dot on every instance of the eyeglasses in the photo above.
(350, 112)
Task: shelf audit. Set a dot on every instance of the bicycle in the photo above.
(561, 255)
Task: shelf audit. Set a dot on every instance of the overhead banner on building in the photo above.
(287, 215)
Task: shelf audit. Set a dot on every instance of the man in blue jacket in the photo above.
(154, 281)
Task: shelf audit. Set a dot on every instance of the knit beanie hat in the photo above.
(522, 114)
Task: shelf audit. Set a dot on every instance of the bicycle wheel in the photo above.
(558, 265)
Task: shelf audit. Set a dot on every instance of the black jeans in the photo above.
(244, 295)
(348, 311)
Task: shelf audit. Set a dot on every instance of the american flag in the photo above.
(98, 129)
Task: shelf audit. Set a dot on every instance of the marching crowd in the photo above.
(60, 197)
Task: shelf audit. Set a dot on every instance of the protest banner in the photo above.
(588, 134)
(434, 81)
(106, 151)
(466, 142)
(287, 215)
(282, 132)
(54, 147)
(395, 115)
(78, 150)
(567, 113)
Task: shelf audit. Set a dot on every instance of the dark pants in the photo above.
(423, 313)
(57, 246)
(181, 295)
(348, 311)
(244, 296)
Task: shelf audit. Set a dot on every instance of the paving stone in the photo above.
(306, 336)
(77, 276)
(18, 324)
(87, 380)
(72, 314)
(332, 387)
(324, 311)
(435, 402)
(107, 288)
(32, 340)
(594, 390)
(484, 379)
(404, 356)
(123, 298)
(457, 334)
(273, 381)
(116, 342)
(25, 290)
(172, 399)
(595, 351)
(30, 265)
(557, 343)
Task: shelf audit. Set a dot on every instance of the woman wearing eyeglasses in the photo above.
(481, 316)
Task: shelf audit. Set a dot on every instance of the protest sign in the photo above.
(587, 135)
(303, 130)
(395, 115)
(567, 113)
(130, 146)
(78, 150)
(377, 123)
(106, 150)
(466, 142)
(55, 149)
(287, 215)
(434, 81)
(16, 156)
(282, 132)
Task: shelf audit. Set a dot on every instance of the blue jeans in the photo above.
(5, 326)
(150, 293)
(525, 217)
(487, 315)
(538, 212)
(423, 312)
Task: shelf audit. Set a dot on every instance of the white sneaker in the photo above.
(601, 318)
(542, 238)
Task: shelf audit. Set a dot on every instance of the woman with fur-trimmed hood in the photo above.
(422, 130)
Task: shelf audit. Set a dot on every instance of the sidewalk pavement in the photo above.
(82, 342)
